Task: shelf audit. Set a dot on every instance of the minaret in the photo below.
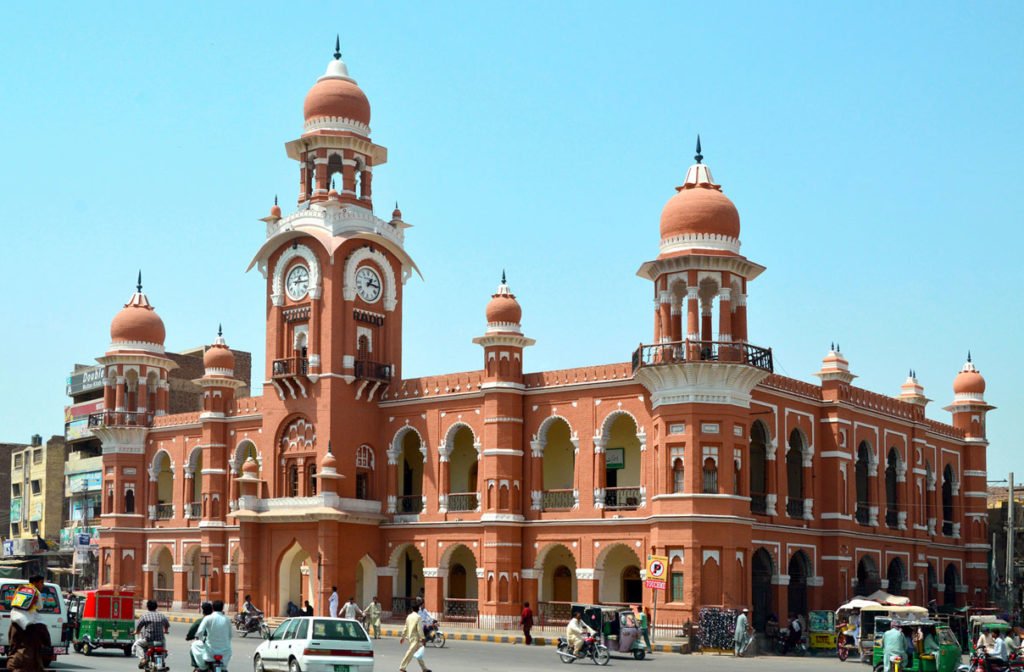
(969, 407)
(835, 374)
(503, 342)
(912, 391)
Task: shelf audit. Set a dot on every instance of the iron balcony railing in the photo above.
(410, 504)
(677, 352)
(622, 498)
(375, 371)
(795, 508)
(759, 503)
(120, 419)
(558, 500)
(462, 501)
(289, 366)
(195, 510)
(164, 511)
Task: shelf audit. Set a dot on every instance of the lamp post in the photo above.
(204, 571)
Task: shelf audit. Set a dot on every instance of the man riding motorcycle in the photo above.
(151, 630)
(216, 629)
(198, 648)
(576, 632)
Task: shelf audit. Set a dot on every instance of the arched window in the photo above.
(293, 480)
(795, 475)
(758, 468)
(710, 476)
(947, 501)
(952, 577)
(364, 471)
(311, 479)
(929, 480)
(896, 576)
(129, 500)
(868, 580)
(891, 490)
(736, 469)
(678, 480)
(110, 500)
(863, 513)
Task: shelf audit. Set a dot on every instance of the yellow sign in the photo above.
(657, 572)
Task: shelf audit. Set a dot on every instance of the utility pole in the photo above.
(1011, 527)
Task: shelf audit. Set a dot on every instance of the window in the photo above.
(48, 605)
(129, 501)
(33, 527)
(677, 587)
(16, 490)
(302, 629)
(312, 480)
(344, 631)
(678, 476)
(37, 487)
(17, 460)
(15, 529)
(710, 476)
(37, 456)
(282, 630)
(293, 481)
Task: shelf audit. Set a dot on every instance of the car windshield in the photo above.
(346, 631)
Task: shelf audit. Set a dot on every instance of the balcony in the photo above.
(289, 366)
(558, 500)
(795, 508)
(947, 528)
(373, 371)
(462, 501)
(412, 504)
(680, 352)
(863, 514)
(759, 503)
(164, 511)
(120, 419)
(194, 510)
(622, 498)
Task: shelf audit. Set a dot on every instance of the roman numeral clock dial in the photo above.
(368, 284)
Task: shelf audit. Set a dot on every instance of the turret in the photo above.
(503, 342)
(969, 407)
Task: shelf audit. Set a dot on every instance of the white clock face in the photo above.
(297, 284)
(368, 284)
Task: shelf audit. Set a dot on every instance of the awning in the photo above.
(857, 603)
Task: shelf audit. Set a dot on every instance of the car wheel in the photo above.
(293, 666)
(86, 648)
(257, 665)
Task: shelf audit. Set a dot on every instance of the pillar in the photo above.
(692, 322)
(119, 394)
(366, 181)
(677, 322)
(444, 478)
(706, 334)
(348, 177)
(739, 320)
(725, 325)
(664, 309)
(180, 587)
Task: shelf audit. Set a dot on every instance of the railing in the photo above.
(164, 511)
(401, 605)
(795, 508)
(892, 518)
(622, 498)
(947, 528)
(462, 501)
(195, 510)
(290, 366)
(558, 500)
(460, 609)
(862, 515)
(759, 503)
(120, 419)
(557, 613)
(193, 599)
(376, 371)
(410, 504)
(164, 597)
(677, 352)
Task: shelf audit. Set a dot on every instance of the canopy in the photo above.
(883, 597)
(857, 603)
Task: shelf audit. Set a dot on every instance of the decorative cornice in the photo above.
(337, 124)
(700, 383)
(699, 241)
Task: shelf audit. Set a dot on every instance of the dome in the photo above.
(337, 96)
(503, 307)
(969, 380)
(219, 355)
(138, 322)
(250, 467)
(329, 461)
(700, 209)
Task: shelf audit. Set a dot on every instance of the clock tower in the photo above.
(334, 276)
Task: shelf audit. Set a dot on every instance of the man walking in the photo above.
(217, 628)
(526, 620)
(351, 609)
(414, 633)
(372, 616)
(742, 635)
(333, 602)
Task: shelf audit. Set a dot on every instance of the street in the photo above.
(475, 656)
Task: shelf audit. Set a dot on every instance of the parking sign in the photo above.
(657, 572)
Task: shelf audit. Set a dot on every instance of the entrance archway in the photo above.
(408, 582)
(896, 575)
(558, 589)
(461, 565)
(761, 571)
(799, 570)
(620, 575)
(293, 577)
(366, 580)
(868, 580)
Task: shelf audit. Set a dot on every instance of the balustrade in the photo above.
(558, 500)
(622, 498)
(462, 501)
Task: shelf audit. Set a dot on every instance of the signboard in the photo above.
(82, 540)
(8, 547)
(89, 481)
(615, 458)
(657, 572)
(85, 380)
(16, 510)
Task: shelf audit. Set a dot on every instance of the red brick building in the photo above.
(485, 488)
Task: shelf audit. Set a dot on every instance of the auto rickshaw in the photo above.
(102, 619)
(947, 660)
(869, 614)
(981, 622)
(821, 637)
(616, 626)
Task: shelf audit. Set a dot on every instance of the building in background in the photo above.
(37, 505)
(1006, 593)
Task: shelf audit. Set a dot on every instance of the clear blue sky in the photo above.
(873, 150)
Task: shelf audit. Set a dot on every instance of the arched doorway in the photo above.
(952, 582)
(947, 501)
(293, 578)
(163, 582)
(622, 478)
(799, 571)
(620, 575)
(462, 470)
(558, 589)
(862, 470)
(408, 582)
(761, 579)
(868, 580)
(559, 465)
(461, 594)
(795, 475)
(758, 468)
(895, 576)
(366, 580)
(410, 474)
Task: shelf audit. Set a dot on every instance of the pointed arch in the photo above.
(397, 442)
(547, 424)
(610, 419)
(366, 580)
(290, 579)
(245, 449)
(453, 430)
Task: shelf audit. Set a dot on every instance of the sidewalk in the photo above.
(461, 634)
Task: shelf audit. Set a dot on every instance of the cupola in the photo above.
(503, 311)
(969, 385)
(336, 101)
(218, 360)
(137, 326)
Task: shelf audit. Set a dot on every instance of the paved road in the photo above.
(480, 657)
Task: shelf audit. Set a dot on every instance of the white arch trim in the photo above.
(156, 548)
(545, 427)
(154, 466)
(449, 438)
(193, 460)
(602, 556)
(601, 440)
(446, 557)
(238, 458)
(277, 292)
(542, 556)
(368, 253)
(396, 444)
(401, 548)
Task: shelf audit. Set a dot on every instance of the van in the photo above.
(53, 612)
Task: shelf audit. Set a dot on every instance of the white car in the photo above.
(313, 644)
(53, 612)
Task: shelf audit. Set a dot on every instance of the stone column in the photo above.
(180, 587)
(706, 333)
(725, 324)
(739, 320)
(665, 309)
(692, 323)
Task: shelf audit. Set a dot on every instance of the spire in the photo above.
(503, 277)
(138, 288)
(275, 199)
(220, 330)
(699, 157)
(968, 352)
(337, 47)
(329, 447)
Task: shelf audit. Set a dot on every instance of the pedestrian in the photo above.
(333, 602)
(307, 609)
(414, 633)
(351, 609)
(28, 640)
(526, 620)
(372, 614)
(643, 622)
(742, 634)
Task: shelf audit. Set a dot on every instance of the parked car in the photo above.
(314, 644)
(53, 611)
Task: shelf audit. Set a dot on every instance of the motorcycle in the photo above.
(844, 645)
(216, 665)
(592, 649)
(435, 637)
(799, 648)
(982, 663)
(255, 623)
(156, 658)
